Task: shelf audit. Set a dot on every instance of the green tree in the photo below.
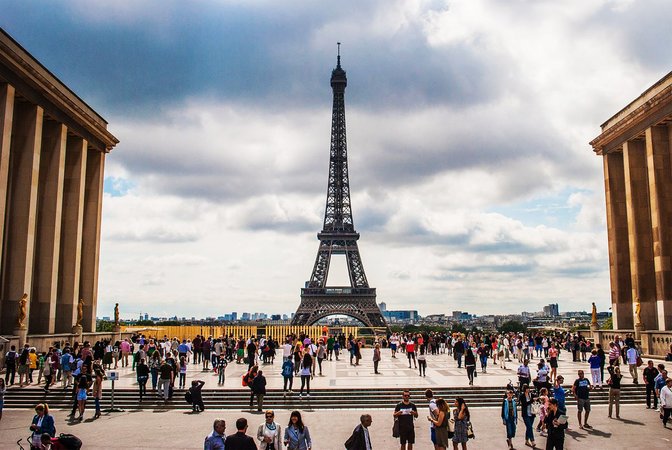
(512, 326)
(458, 328)
(608, 324)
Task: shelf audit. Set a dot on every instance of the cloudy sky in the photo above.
(473, 184)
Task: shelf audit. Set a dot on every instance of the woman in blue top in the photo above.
(509, 417)
(595, 363)
(42, 423)
(297, 436)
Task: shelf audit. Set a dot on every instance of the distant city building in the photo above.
(461, 316)
(146, 316)
(234, 316)
(552, 310)
(106, 318)
(401, 315)
(383, 306)
(275, 317)
(245, 316)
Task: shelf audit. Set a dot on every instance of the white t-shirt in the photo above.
(433, 412)
(632, 356)
(287, 350)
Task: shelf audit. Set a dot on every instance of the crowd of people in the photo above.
(538, 397)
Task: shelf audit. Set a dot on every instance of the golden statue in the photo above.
(594, 317)
(638, 308)
(80, 312)
(21, 316)
(116, 314)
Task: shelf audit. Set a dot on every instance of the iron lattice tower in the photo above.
(338, 236)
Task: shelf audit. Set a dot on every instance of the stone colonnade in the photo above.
(636, 147)
(52, 157)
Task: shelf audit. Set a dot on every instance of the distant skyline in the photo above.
(473, 184)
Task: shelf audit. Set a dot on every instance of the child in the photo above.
(183, 371)
(543, 409)
(221, 367)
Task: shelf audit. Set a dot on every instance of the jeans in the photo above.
(597, 378)
(142, 383)
(286, 381)
(529, 427)
(651, 390)
(458, 356)
(260, 402)
(164, 385)
(510, 428)
(470, 373)
(222, 376)
(155, 377)
(305, 382)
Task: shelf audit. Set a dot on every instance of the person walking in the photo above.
(509, 417)
(240, 440)
(259, 389)
(405, 412)
(422, 362)
(217, 439)
(142, 375)
(666, 401)
(632, 356)
(221, 370)
(528, 409)
(410, 353)
(360, 438)
(440, 424)
(614, 383)
(98, 375)
(649, 375)
(287, 376)
(524, 375)
(553, 361)
(11, 358)
(556, 423)
(306, 374)
(470, 364)
(297, 435)
(376, 358)
(461, 418)
(595, 373)
(165, 379)
(183, 369)
(581, 391)
(269, 432)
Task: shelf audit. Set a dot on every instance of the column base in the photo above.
(117, 329)
(22, 333)
(78, 330)
(638, 331)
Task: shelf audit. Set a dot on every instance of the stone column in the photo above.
(21, 210)
(47, 251)
(640, 232)
(93, 201)
(617, 230)
(6, 119)
(71, 234)
(660, 189)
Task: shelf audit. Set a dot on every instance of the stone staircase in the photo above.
(351, 398)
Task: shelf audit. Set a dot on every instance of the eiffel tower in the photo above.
(338, 236)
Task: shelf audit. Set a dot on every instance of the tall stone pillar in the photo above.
(660, 191)
(21, 210)
(617, 230)
(93, 201)
(71, 234)
(639, 232)
(6, 119)
(47, 251)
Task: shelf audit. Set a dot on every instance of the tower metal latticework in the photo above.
(338, 236)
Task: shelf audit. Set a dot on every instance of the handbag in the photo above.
(470, 431)
(395, 429)
(639, 361)
(536, 408)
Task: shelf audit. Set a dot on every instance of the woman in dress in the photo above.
(297, 436)
(441, 425)
(461, 418)
(269, 433)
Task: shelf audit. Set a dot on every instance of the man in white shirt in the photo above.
(632, 355)
(666, 401)
(434, 412)
(286, 351)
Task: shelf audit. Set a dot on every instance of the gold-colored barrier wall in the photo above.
(278, 332)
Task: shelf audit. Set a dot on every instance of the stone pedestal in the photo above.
(78, 330)
(638, 331)
(116, 329)
(22, 333)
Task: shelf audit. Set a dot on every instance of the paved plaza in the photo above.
(166, 428)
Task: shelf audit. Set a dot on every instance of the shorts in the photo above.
(432, 435)
(407, 436)
(206, 354)
(554, 362)
(81, 394)
(582, 404)
(393, 347)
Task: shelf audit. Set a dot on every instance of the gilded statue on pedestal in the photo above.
(80, 312)
(594, 315)
(21, 316)
(116, 314)
(638, 308)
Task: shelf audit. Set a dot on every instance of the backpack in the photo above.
(70, 441)
(10, 358)
(287, 370)
(189, 397)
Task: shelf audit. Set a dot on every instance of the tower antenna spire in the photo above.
(338, 58)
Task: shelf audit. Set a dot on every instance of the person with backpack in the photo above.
(287, 376)
(259, 389)
(194, 396)
(247, 381)
(66, 367)
(10, 365)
